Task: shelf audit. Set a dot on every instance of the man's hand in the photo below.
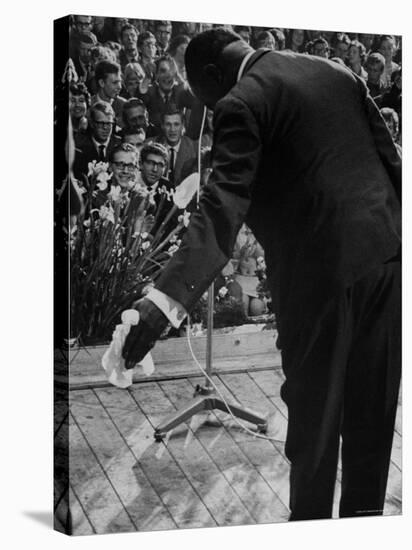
(142, 337)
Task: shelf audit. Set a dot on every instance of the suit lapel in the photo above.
(255, 57)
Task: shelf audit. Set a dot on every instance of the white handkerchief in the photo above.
(113, 362)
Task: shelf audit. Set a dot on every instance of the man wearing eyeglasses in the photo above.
(98, 142)
(124, 166)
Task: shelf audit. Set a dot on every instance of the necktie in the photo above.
(101, 153)
(172, 165)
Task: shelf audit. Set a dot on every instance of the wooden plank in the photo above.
(224, 345)
(172, 500)
(61, 462)
(90, 374)
(257, 496)
(216, 493)
(267, 457)
(60, 405)
(118, 462)
(96, 495)
(393, 501)
(79, 521)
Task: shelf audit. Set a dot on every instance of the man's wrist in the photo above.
(172, 309)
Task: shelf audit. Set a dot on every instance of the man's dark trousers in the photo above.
(343, 366)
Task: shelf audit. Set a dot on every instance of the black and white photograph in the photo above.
(226, 286)
(228, 197)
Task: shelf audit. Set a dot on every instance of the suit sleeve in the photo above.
(383, 140)
(208, 243)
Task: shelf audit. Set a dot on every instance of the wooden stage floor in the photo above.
(206, 473)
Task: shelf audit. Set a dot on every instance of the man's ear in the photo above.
(100, 82)
(214, 73)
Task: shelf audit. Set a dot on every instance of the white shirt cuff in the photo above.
(173, 310)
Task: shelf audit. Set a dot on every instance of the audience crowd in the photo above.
(131, 105)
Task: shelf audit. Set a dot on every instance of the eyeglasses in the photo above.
(154, 164)
(103, 124)
(129, 166)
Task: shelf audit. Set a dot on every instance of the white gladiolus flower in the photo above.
(173, 249)
(106, 213)
(186, 190)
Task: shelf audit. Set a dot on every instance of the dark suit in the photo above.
(302, 154)
(180, 97)
(186, 159)
(85, 152)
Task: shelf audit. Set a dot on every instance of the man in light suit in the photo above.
(302, 154)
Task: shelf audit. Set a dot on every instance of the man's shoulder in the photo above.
(188, 143)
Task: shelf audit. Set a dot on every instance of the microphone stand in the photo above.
(204, 397)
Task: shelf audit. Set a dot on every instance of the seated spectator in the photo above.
(80, 24)
(356, 58)
(385, 45)
(98, 27)
(135, 117)
(97, 142)
(146, 45)
(153, 163)
(392, 122)
(265, 39)
(393, 97)
(124, 165)
(135, 137)
(296, 40)
(82, 54)
(163, 33)
(109, 83)
(367, 40)
(128, 53)
(79, 101)
(375, 64)
(279, 37)
(177, 49)
(340, 45)
(115, 48)
(165, 91)
(243, 31)
(133, 75)
(320, 48)
(112, 30)
(182, 151)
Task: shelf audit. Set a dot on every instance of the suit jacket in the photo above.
(85, 152)
(302, 154)
(186, 159)
(181, 97)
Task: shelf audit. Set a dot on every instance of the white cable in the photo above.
(218, 391)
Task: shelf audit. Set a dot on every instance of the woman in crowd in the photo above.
(177, 49)
(146, 44)
(356, 58)
(79, 102)
(296, 40)
(385, 45)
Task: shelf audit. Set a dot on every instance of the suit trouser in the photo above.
(343, 368)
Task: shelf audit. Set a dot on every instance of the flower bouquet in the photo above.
(114, 255)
